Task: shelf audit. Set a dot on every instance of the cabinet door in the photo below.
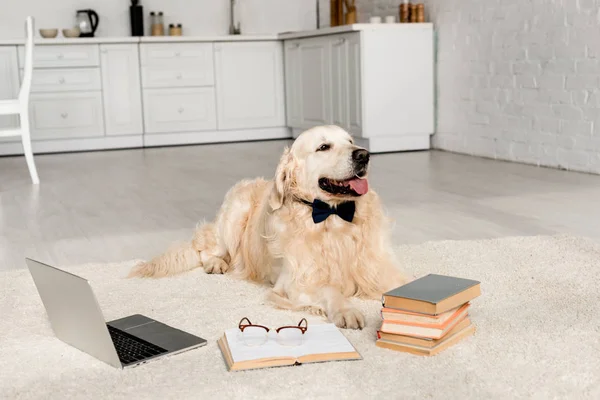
(121, 89)
(249, 85)
(353, 96)
(293, 87)
(9, 86)
(339, 81)
(315, 96)
(66, 115)
(179, 110)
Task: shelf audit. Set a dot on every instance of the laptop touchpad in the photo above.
(165, 336)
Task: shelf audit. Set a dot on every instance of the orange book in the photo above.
(392, 314)
(423, 330)
(423, 342)
(428, 351)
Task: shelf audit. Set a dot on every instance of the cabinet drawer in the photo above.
(65, 80)
(179, 110)
(79, 55)
(66, 115)
(197, 55)
(164, 76)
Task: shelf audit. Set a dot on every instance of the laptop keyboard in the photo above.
(132, 349)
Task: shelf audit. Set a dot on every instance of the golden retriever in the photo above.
(270, 231)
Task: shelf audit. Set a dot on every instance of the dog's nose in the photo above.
(360, 156)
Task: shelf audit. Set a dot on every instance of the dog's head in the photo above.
(322, 163)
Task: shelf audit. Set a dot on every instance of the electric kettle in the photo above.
(87, 22)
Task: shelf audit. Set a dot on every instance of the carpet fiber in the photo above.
(538, 333)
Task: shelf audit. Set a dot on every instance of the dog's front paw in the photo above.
(215, 265)
(349, 318)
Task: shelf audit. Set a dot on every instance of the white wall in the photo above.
(519, 80)
(199, 17)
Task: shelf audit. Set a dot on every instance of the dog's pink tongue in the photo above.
(360, 186)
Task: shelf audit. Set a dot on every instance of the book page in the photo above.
(318, 339)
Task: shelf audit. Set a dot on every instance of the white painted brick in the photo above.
(538, 110)
(581, 82)
(572, 159)
(529, 73)
(554, 96)
(589, 66)
(571, 50)
(580, 97)
(526, 81)
(547, 124)
(567, 112)
(560, 66)
(527, 67)
(551, 82)
(502, 81)
(576, 128)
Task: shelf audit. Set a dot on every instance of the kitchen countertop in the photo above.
(142, 39)
(219, 38)
(63, 40)
(352, 28)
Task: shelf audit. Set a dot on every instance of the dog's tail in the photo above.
(179, 258)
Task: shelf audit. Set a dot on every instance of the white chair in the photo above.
(20, 106)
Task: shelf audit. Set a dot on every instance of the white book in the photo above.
(323, 342)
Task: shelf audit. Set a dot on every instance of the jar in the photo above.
(404, 12)
(175, 30)
(413, 12)
(156, 24)
(420, 12)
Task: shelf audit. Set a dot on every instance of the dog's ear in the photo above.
(282, 180)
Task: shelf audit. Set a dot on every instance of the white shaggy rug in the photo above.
(538, 333)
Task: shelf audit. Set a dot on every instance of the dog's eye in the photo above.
(324, 147)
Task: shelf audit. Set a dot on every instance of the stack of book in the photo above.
(427, 315)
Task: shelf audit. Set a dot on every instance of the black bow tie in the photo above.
(322, 211)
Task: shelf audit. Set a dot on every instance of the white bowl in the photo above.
(48, 33)
(71, 33)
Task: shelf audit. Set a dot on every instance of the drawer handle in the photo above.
(64, 115)
(296, 45)
(61, 80)
(180, 110)
(341, 41)
(61, 56)
(179, 76)
(177, 54)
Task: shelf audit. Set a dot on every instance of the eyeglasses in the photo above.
(256, 335)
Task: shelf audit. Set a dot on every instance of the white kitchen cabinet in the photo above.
(66, 115)
(121, 89)
(9, 86)
(315, 82)
(79, 55)
(377, 83)
(249, 85)
(65, 80)
(338, 51)
(179, 110)
(354, 110)
(293, 86)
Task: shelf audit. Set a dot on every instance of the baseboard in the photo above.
(176, 138)
(388, 144)
(71, 145)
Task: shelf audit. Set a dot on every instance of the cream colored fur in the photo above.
(264, 234)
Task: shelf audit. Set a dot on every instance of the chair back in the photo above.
(28, 67)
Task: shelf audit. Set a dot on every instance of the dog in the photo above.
(316, 233)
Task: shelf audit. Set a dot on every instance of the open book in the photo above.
(324, 342)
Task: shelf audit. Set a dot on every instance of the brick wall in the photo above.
(517, 80)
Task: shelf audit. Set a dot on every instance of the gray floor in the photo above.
(120, 205)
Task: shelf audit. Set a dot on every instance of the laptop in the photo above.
(77, 320)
